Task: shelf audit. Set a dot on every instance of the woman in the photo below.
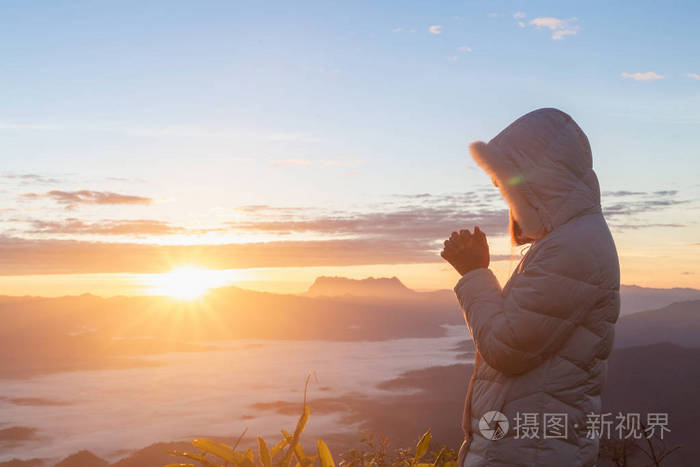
(543, 340)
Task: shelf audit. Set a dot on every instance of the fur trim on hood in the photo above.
(542, 165)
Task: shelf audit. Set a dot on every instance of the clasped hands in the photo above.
(467, 251)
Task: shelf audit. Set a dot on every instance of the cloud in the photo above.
(267, 209)
(464, 48)
(519, 15)
(625, 213)
(435, 29)
(22, 256)
(521, 24)
(289, 162)
(622, 193)
(28, 178)
(560, 27)
(400, 229)
(137, 227)
(665, 193)
(397, 30)
(693, 75)
(645, 226)
(645, 76)
(73, 198)
(549, 22)
(558, 35)
(127, 179)
(423, 218)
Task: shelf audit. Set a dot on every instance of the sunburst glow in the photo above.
(187, 283)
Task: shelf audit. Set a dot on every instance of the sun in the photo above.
(187, 283)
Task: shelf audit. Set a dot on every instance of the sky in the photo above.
(280, 141)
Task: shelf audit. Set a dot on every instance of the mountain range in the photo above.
(654, 366)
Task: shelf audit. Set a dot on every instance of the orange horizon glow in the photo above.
(186, 282)
(190, 281)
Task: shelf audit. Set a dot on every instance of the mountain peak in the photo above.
(369, 287)
(83, 459)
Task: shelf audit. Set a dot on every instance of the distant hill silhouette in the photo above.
(24, 463)
(370, 287)
(636, 299)
(83, 459)
(678, 323)
(88, 332)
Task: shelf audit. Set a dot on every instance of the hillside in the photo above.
(88, 332)
(678, 323)
(636, 299)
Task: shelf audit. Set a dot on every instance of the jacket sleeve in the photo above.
(517, 330)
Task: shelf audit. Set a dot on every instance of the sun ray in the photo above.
(187, 282)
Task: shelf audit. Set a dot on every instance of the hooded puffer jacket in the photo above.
(543, 340)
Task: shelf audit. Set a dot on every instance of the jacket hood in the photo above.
(543, 166)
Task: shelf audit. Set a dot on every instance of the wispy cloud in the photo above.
(435, 29)
(73, 198)
(646, 226)
(397, 30)
(464, 48)
(28, 178)
(519, 15)
(422, 217)
(138, 227)
(626, 209)
(405, 229)
(400, 229)
(621, 193)
(693, 75)
(23, 256)
(289, 162)
(642, 76)
(560, 27)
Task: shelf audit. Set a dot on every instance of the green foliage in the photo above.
(325, 454)
(289, 453)
(377, 454)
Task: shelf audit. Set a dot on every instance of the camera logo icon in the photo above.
(493, 425)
